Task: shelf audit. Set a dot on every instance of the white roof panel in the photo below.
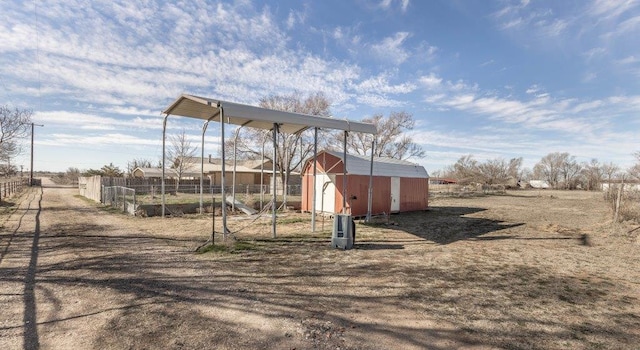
(382, 166)
(256, 117)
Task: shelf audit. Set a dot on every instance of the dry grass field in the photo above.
(524, 270)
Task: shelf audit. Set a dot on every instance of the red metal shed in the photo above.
(398, 185)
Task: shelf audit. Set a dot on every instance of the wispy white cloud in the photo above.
(391, 49)
(174, 49)
(426, 52)
(296, 18)
(122, 110)
(487, 63)
(77, 120)
(587, 106)
(378, 100)
(431, 81)
(380, 84)
(513, 23)
(97, 140)
(595, 52)
(608, 9)
(533, 89)
(630, 25)
(386, 4)
(628, 60)
(553, 28)
(589, 77)
(540, 111)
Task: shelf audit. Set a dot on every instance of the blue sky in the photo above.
(489, 78)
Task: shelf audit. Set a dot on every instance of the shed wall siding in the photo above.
(414, 194)
(358, 185)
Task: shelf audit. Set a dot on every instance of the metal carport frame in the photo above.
(209, 109)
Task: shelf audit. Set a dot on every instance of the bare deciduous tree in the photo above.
(180, 152)
(592, 173)
(549, 168)
(391, 139)
(492, 172)
(14, 124)
(465, 169)
(634, 171)
(292, 149)
(498, 171)
(8, 150)
(569, 170)
(611, 170)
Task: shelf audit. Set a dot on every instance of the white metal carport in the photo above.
(224, 112)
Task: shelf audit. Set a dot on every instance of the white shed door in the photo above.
(395, 194)
(325, 193)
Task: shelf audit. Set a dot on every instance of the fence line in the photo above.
(11, 188)
(120, 197)
(153, 186)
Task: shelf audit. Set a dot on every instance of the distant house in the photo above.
(540, 184)
(248, 172)
(153, 173)
(398, 185)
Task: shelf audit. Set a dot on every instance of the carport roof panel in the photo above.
(256, 117)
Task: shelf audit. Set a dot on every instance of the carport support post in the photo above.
(235, 160)
(273, 178)
(164, 134)
(204, 129)
(370, 193)
(223, 192)
(264, 138)
(344, 173)
(315, 170)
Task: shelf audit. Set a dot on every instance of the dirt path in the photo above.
(499, 272)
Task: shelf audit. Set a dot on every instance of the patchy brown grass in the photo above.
(509, 271)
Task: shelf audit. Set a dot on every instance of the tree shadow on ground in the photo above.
(445, 225)
(7, 204)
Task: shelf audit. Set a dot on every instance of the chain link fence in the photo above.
(120, 197)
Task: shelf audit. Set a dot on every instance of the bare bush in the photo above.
(628, 206)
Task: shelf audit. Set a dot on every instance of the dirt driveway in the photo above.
(474, 273)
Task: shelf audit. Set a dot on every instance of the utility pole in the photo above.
(31, 170)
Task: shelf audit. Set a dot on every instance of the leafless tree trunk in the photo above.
(618, 200)
(181, 151)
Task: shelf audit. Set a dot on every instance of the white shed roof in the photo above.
(262, 118)
(382, 166)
